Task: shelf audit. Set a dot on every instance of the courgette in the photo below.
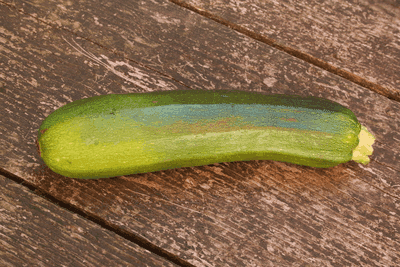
(120, 134)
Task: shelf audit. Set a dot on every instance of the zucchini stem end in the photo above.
(364, 148)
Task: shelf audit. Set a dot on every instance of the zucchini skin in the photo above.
(120, 134)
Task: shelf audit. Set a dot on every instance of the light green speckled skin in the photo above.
(114, 135)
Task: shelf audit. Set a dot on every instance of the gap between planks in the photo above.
(293, 52)
(136, 239)
(259, 37)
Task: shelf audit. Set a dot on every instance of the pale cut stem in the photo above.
(364, 148)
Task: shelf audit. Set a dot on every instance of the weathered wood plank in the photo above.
(36, 232)
(359, 40)
(199, 60)
(238, 214)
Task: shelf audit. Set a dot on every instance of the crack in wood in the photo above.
(293, 52)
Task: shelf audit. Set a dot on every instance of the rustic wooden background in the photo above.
(255, 213)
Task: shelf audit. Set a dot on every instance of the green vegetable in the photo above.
(113, 135)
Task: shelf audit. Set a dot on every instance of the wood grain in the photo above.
(358, 40)
(256, 213)
(36, 232)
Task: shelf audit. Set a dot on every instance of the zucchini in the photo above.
(120, 134)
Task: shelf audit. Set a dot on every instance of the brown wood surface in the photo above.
(357, 39)
(36, 232)
(256, 213)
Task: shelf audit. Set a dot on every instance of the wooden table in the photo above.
(254, 213)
